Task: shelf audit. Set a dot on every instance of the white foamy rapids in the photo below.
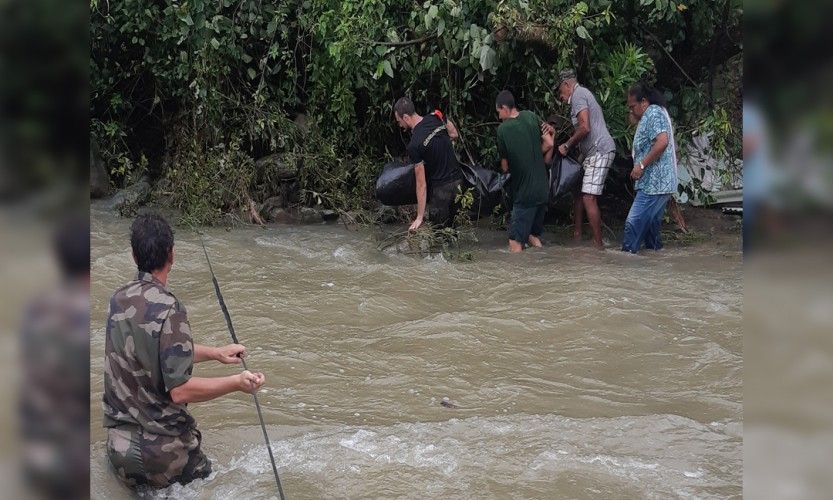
(290, 246)
(653, 456)
(344, 253)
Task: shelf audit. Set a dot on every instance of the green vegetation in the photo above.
(190, 92)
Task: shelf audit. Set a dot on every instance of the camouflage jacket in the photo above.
(148, 351)
(54, 416)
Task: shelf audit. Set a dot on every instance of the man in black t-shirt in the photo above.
(437, 174)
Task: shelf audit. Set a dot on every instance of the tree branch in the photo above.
(406, 42)
(661, 46)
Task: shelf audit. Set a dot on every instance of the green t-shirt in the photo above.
(519, 141)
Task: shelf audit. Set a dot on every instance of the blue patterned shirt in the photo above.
(659, 177)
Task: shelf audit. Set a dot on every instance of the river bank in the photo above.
(703, 225)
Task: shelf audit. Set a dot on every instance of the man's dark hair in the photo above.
(505, 99)
(71, 244)
(404, 106)
(152, 240)
(644, 91)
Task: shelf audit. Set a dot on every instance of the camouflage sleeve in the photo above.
(176, 348)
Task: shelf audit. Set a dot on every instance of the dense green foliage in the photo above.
(190, 91)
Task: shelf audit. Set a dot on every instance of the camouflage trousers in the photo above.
(142, 459)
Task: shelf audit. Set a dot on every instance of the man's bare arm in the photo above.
(228, 354)
(581, 131)
(452, 130)
(199, 389)
(421, 195)
(660, 143)
(547, 141)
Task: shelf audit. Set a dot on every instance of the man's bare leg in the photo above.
(534, 241)
(578, 216)
(515, 247)
(594, 217)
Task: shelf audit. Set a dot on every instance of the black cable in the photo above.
(234, 339)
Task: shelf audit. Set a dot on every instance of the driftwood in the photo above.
(254, 216)
(525, 32)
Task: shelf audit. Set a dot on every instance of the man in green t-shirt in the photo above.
(521, 141)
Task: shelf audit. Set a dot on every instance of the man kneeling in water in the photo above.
(152, 439)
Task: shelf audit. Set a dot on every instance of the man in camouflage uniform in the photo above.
(55, 390)
(152, 440)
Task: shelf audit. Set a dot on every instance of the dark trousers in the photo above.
(441, 206)
(526, 221)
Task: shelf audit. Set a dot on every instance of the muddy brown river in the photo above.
(570, 373)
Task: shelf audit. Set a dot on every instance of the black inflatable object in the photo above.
(490, 187)
(396, 185)
(565, 175)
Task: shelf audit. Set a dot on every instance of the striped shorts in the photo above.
(596, 166)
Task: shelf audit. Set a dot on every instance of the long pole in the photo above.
(234, 339)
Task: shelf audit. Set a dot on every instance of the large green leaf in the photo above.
(487, 58)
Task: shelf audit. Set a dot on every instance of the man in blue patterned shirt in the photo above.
(654, 170)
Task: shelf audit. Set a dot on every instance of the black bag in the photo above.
(490, 187)
(396, 184)
(565, 175)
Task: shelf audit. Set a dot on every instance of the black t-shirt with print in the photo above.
(439, 159)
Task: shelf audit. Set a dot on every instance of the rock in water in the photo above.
(282, 216)
(448, 403)
(99, 176)
(127, 201)
(271, 207)
(308, 215)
